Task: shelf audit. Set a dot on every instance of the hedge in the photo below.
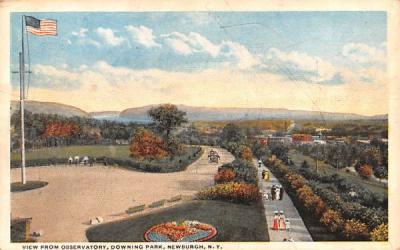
(165, 165)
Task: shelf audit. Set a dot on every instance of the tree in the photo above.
(231, 133)
(365, 171)
(145, 144)
(167, 117)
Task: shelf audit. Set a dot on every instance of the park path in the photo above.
(76, 194)
(298, 232)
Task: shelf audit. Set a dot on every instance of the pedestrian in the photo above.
(277, 193)
(259, 163)
(273, 194)
(276, 221)
(287, 224)
(281, 221)
(85, 160)
(266, 175)
(263, 174)
(76, 159)
(70, 160)
(280, 192)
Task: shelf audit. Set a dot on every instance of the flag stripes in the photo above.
(46, 28)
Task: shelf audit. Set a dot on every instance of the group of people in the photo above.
(76, 160)
(277, 192)
(280, 221)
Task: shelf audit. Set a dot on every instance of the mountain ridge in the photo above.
(193, 112)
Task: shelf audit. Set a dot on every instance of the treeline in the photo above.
(363, 128)
(374, 155)
(55, 130)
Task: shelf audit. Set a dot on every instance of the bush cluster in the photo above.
(233, 192)
(348, 219)
(224, 175)
(243, 169)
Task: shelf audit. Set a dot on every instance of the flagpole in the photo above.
(22, 97)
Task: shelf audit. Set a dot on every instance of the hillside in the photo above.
(223, 114)
(139, 114)
(49, 108)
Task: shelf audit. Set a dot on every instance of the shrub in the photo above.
(296, 181)
(224, 175)
(380, 233)
(246, 154)
(145, 144)
(355, 230)
(365, 171)
(245, 171)
(332, 220)
(320, 207)
(233, 192)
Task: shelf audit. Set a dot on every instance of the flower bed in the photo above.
(187, 231)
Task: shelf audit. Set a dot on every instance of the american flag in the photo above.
(44, 27)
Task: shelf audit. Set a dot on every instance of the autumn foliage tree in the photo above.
(365, 171)
(246, 154)
(146, 144)
(60, 131)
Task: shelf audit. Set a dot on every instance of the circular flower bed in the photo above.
(187, 231)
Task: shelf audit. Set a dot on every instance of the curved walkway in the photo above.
(76, 194)
(298, 230)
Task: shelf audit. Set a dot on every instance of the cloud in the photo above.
(195, 43)
(304, 65)
(364, 54)
(108, 36)
(110, 87)
(81, 33)
(142, 35)
(244, 59)
(179, 46)
(191, 43)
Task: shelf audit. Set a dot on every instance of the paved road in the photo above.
(298, 230)
(76, 194)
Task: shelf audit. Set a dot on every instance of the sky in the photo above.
(321, 61)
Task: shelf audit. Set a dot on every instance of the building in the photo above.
(302, 138)
(279, 140)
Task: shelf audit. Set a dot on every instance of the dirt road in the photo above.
(76, 194)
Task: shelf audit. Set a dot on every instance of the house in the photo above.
(302, 138)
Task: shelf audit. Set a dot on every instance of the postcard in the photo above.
(204, 125)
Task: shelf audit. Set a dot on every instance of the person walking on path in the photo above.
(277, 193)
(280, 192)
(273, 194)
(281, 221)
(259, 163)
(287, 224)
(266, 175)
(276, 221)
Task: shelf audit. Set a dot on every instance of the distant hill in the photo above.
(139, 114)
(223, 114)
(49, 108)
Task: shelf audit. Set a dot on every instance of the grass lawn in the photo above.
(29, 185)
(234, 222)
(325, 168)
(117, 151)
(110, 154)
